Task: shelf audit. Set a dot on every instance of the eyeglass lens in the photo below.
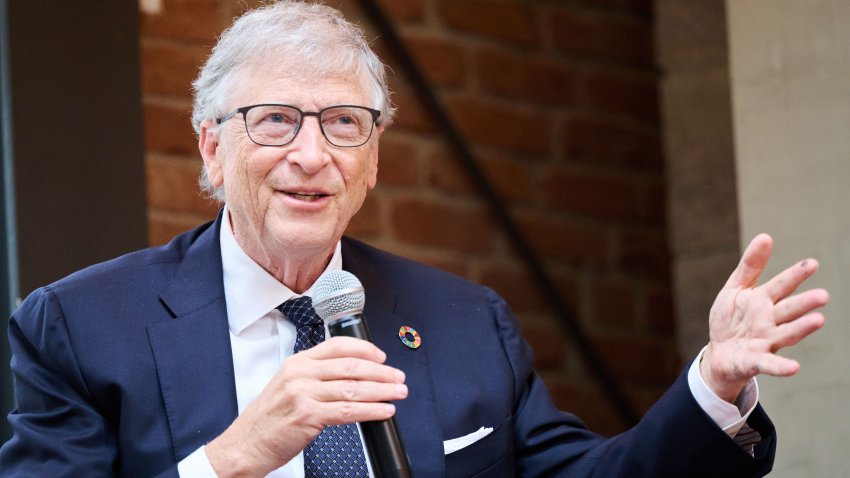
(276, 125)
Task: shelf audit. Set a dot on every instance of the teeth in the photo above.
(306, 197)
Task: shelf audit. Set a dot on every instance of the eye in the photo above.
(279, 117)
(345, 120)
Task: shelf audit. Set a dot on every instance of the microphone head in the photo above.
(338, 294)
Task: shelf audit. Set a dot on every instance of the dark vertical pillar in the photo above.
(76, 131)
(78, 138)
(8, 255)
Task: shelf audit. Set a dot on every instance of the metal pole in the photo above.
(8, 234)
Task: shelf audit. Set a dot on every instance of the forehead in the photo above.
(278, 85)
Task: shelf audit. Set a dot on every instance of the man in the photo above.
(199, 359)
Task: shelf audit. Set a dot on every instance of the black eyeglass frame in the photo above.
(318, 114)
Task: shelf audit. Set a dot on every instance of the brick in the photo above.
(536, 80)
(235, 9)
(633, 96)
(459, 227)
(168, 130)
(511, 178)
(613, 302)
(367, 222)
(168, 69)
(404, 11)
(659, 311)
(493, 124)
(641, 7)
(637, 358)
(510, 22)
(350, 9)
(603, 36)
(399, 161)
(655, 209)
(559, 239)
(411, 114)
(599, 194)
(643, 253)
(514, 283)
(163, 226)
(441, 60)
(172, 185)
(599, 141)
(547, 339)
(192, 20)
(587, 402)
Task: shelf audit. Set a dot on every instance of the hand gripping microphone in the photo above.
(338, 298)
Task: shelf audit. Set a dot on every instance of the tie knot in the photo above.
(300, 312)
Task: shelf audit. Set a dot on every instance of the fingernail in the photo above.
(390, 409)
(401, 389)
(399, 376)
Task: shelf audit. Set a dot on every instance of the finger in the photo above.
(359, 391)
(337, 413)
(351, 368)
(792, 332)
(798, 305)
(777, 366)
(753, 261)
(336, 347)
(787, 281)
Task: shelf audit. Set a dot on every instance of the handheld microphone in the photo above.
(338, 298)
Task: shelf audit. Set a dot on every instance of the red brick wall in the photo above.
(558, 99)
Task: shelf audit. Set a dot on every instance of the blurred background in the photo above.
(635, 145)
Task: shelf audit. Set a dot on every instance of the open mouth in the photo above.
(309, 197)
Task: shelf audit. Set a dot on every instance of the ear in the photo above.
(208, 146)
(373, 157)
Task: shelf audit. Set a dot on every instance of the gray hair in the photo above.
(315, 38)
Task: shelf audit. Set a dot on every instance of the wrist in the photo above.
(230, 460)
(720, 384)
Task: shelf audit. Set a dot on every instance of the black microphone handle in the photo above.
(383, 442)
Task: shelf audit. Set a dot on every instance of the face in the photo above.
(295, 199)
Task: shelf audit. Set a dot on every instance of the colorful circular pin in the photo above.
(409, 337)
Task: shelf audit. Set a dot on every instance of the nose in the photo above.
(308, 148)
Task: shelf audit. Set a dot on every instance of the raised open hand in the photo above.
(750, 323)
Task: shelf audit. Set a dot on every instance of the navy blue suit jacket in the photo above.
(125, 368)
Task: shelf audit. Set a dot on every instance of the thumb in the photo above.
(753, 262)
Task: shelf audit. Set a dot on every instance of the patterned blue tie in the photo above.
(337, 451)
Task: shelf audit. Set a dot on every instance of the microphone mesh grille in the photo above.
(338, 293)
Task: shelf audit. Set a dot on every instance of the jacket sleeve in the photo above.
(58, 430)
(675, 438)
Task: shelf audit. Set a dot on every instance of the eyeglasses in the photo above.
(346, 126)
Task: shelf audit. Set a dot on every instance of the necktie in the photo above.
(337, 451)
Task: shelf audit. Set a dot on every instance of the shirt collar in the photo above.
(250, 292)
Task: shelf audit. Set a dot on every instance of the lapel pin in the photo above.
(409, 337)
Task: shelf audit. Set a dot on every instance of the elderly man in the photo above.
(202, 357)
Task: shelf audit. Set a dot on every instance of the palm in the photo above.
(749, 323)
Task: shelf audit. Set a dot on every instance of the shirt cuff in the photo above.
(728, 416)
(196, 465)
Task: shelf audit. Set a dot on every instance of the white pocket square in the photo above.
(455, 444)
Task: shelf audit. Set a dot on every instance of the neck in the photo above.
(296, 268)
(300, 272)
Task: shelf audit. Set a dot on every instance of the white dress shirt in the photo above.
(261, 338)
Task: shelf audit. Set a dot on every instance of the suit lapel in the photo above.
(192, 352)
(415, 416)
